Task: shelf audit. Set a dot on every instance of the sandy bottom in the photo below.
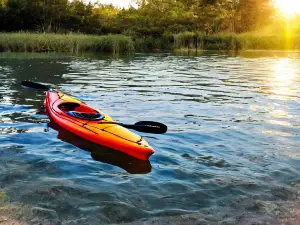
(288, 217)
(243, 211)
(273, 215)
(246, 212)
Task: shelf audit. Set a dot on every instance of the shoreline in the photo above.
(104, 55)
(118, 43)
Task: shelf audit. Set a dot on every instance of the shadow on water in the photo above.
(103, 154)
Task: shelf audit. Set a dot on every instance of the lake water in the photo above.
(231, 154)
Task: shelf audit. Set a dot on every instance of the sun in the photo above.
(288, 8)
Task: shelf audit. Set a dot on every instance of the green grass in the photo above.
(186, 41)
(236, 42)
(71, 43)
(267, 42)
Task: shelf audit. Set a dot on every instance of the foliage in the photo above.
(235, 42)
(73, 43)
(186, 41)
(151, 18)
(155, 24)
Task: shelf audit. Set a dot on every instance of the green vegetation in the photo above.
(231, 41)
(72, 43)
(73, 26)
(151, 18)
(186, 41)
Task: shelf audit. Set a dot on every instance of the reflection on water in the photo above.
(232, 145)
(104, 154)
(284, 71)
(284, 75)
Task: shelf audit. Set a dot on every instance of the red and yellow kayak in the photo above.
(94, 125)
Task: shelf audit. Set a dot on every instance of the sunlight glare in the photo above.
(284, 75)
(284, 71)
(288, 8)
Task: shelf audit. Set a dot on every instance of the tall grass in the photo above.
(200, 41)
(190, 41)
(267, 42)
(148, 43)
(71, 43)
(229, 41)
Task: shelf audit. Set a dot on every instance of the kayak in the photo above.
(94, 125)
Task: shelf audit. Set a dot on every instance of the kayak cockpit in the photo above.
(80, 111)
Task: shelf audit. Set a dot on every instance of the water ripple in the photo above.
(232, 144)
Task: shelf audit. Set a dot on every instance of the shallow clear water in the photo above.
(232, 145)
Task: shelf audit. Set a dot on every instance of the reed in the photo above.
(230, 41)
(150, 44)
(186, 41)
(268, 42)
(197, 40)
(71, 43)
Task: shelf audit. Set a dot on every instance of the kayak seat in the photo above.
(86, 116)
(80, 111)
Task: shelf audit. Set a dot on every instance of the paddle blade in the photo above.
(150, 127)
(34, 85)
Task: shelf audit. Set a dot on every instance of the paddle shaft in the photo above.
(143, 126)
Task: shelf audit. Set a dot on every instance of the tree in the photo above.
(152, 17)
(251, 15)
(50, 13)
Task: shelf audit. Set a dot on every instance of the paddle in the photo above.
(34, 85)
(142, 126)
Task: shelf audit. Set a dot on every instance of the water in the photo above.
(231, 155)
